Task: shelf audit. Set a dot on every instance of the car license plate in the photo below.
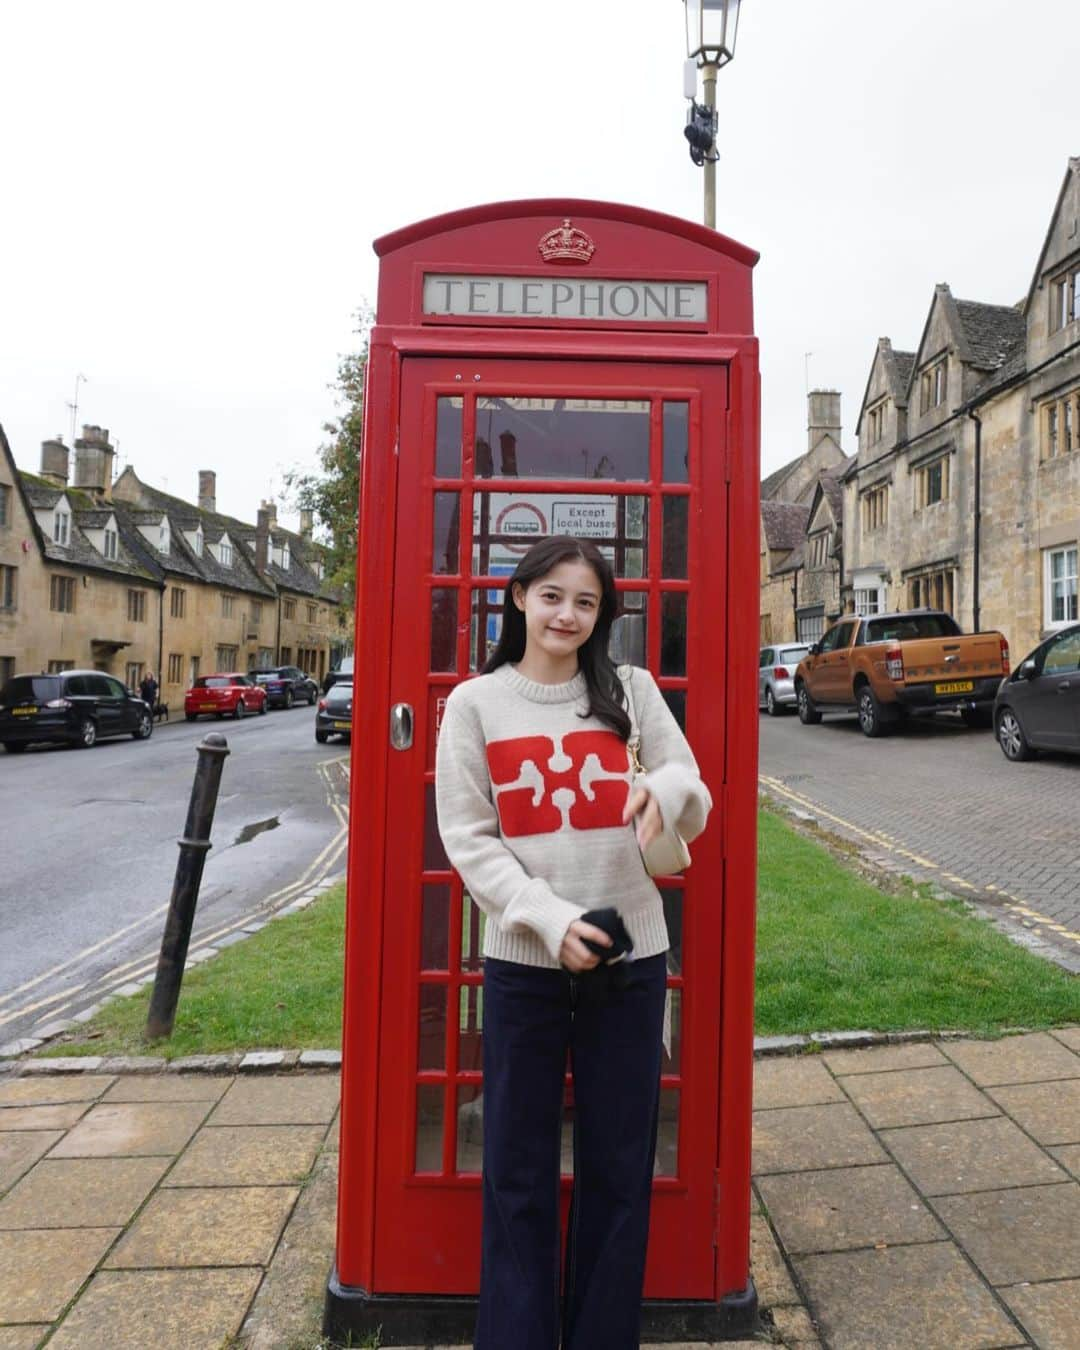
(207, 707)
(343, 726)
(24, 712)
(955, 687)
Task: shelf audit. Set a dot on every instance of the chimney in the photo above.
(54, 461)
(823, 418)
(94, 461)
(307, 522)
(270, 507)
(207, 490)
(262, 539)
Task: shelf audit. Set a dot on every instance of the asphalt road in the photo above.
(940, 802)
(88, 850)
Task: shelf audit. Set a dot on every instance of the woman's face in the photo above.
(560, 608)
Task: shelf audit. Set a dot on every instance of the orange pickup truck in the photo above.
(886, 667)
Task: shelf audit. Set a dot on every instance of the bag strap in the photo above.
(633, 744)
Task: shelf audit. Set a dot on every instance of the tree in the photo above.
(333, 491)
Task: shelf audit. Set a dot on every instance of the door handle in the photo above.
(1065, 684)
(401, 726)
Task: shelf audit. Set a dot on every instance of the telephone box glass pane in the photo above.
(629, 642)
(485, 626)
(444, 607)
(435, 859)
(505, 524)
(673, 633)
(470, 1127)
(432, 1039)
(470, 1027)
(448, 437)
(676, 701)
(429, 1127)
(676, 442)
(435, 929)
(673, 901)
(676, 526)
(472, 934)
(667, 1138)
(446, 546)
(582, 438)
(672, 1054)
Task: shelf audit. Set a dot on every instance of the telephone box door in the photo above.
(492, 455)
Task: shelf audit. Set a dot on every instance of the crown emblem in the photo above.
(566, 243)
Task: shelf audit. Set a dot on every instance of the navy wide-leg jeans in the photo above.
(532, 1018)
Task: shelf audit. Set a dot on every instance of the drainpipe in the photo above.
(977, 521)
(161, 635)
(795, 604)
(277, 639)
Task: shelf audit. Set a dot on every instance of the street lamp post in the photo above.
(711, 26)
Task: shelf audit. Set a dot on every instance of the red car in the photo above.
(220, 694)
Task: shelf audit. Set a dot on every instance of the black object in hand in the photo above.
(613, 970)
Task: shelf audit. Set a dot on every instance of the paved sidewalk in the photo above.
(924, 1195)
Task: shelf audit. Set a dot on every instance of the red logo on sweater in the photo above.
(543, 785)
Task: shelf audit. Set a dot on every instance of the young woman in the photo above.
(533, 782)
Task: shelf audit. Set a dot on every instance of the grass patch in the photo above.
(835, 952)
(281, 989)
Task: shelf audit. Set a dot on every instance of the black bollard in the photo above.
(185, 893)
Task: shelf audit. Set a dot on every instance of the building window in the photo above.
(811, 625)
(932, 590)
(9, 587)
(875, 508)
(62, 594)
(5, 507)
(55, 667)
(818, 551)
(226, 606)
(286, 656)
(932, 483)
(313, 613)
(256, 611)
(176, 667)
(164, 541)
(178, 602)
(876, 423)
(266, 658)
(133, 673)
(1061, 604)
(226, 658)
(225, 553)
(933, 386)
(1060, 423)
(7, 669)
(61, 528)
(193, 669)
(200, 542)
(285, 556)
(869, 600)
(1065, 299)
(289, 609)
(137, 606)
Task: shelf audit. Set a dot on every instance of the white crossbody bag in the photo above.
(668, 853)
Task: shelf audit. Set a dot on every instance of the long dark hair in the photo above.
(607, 700)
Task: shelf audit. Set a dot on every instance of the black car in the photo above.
(334, 715)
(286, 685)
(1038, 705)
(78, 707)
(342, 672)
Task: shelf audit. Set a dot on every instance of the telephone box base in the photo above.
(432, 1319)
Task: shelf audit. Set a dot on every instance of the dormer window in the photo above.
(1065, 299)
(875, 426)
(200, 542)
(61, 525)
(819, 549)
(111, 542)
(225, 552)
(285, 556)
(933, 386)
(164, 538)
(318, 569)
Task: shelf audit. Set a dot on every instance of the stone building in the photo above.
(122, 577)
(788, 497)
(965, 492)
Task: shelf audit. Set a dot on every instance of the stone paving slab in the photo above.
(20, 1150)
(881, 1058)
(120, 1129)
(794, 1082)
(247, 1155)
(1031, 1233)
(60, 1117)
(171, 1087)
(41, 1271)
(1015, 1059)
(1050, 1112)
(919, 1097)
(50, 1090)
(771, 1276)
(213, 1226)
(81, 1192)
(1049, 1313)
(846, 1207)
(1068, 1157)
(807, 1138)
(25, 1337)
(1069, 1036)
(970, 1155)
(306, 1099)
(923, 1297)
(134, 1309)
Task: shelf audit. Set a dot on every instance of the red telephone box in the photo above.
(546, 367)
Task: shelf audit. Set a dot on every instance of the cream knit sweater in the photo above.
(530, 797)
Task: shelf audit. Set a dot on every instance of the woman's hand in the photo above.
(573, 954)
(650, 823)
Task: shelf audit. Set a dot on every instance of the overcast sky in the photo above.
(190, 191)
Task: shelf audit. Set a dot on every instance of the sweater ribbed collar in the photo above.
(569, 692)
